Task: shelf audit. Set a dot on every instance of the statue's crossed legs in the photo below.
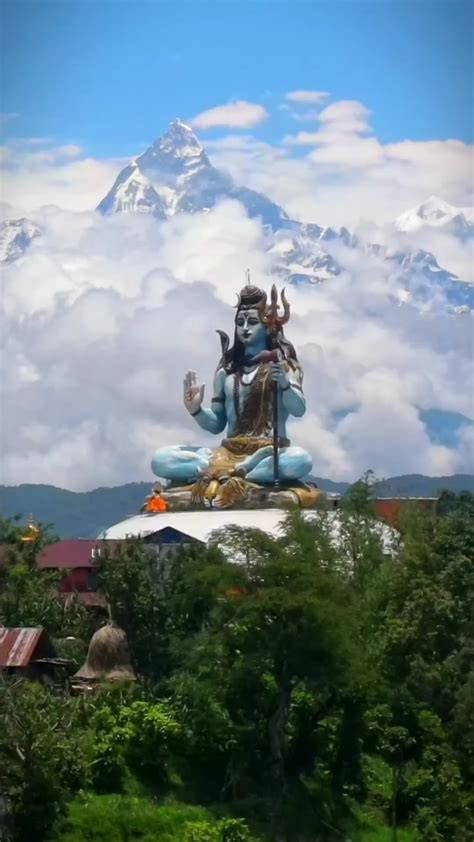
(182, 463)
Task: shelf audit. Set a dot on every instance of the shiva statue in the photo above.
(260, 364)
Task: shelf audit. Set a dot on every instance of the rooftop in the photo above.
(18, 645)
(200, 525)
(68, 554)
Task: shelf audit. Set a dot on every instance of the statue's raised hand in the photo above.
(193, 394)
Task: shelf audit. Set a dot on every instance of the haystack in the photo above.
(108, 658)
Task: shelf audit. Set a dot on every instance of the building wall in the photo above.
(80, 579)
(389, 510)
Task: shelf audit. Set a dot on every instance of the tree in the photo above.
(41, 757)
(160, 603)
(128, 578)
(141, 736)
(29, 596)
(288, 629)
(419, 621)
(313, 683)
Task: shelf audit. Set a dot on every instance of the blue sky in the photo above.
(110, 74)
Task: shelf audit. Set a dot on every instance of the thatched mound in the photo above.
(108, 658)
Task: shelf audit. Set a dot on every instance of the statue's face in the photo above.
(249, 328)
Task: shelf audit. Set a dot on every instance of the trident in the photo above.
(271, 317)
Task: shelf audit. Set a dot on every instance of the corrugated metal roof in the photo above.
(18, 645)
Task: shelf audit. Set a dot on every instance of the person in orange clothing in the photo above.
(154, 502)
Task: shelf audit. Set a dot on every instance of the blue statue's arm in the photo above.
(290, 382)
(214, 419)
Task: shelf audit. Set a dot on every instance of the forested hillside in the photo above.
(85, 514)
(314, 693)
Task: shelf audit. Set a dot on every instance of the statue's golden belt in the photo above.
(246, 445)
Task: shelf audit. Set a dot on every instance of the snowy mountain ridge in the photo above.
(175, 175)
(436, 213)
(15, 237)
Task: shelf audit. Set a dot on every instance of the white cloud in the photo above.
(238, 115)
(31, 180)
(24, 142)
(69, 150)
(105, 315)
(348, 176)
(342, 123)
(312, 97)
(302, 139)
(346, 115)
(34, 157)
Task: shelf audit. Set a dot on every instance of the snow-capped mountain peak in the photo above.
(175, 175)
(15, 237)
(176, 153)
(133, 192)
(435, 212)
(180, 141)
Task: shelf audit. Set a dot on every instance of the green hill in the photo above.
(84, 514)
(417, 485)
(73, 514)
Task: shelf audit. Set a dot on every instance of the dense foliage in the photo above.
(319, 689)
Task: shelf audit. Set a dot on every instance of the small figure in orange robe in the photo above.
(154, 502)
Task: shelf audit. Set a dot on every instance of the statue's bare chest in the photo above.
(237, 386)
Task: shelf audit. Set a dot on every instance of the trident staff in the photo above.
(275, 321)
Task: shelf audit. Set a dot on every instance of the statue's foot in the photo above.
(181, 463)
(303, 496)
(294, 463)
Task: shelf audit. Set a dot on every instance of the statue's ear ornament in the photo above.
(225, 341)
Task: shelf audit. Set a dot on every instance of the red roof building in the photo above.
(71, 555)
(389, 509)
(77, 557)
(26, 651)
(17, 646)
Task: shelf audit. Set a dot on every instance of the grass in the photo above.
(369, 829)
(118, 818)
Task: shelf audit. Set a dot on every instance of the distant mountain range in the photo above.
(85, 514)
(435, 213)
(174, 175)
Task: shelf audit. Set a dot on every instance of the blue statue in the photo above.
(242, 401)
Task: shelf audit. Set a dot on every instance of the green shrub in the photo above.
(115, 818)
(140, 736)
(367, 828)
